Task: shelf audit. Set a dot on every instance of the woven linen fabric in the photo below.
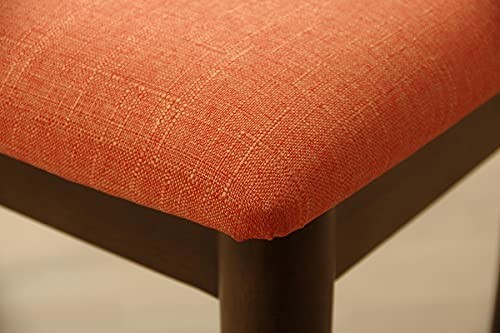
(249, 117)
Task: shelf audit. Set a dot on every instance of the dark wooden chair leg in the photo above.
(279, 286)
(496, 313)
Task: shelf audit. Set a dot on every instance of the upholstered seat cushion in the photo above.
(249, 117)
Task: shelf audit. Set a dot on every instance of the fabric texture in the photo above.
(249, 117)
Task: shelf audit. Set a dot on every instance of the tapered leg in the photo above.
(279, 286)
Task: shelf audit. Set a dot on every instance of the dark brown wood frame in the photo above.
(284, 285)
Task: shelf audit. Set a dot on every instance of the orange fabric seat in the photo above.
(249, 117)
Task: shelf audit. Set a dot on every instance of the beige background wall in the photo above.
(437, 275)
